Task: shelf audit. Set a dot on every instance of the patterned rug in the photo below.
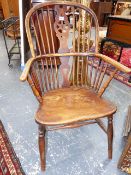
(113, 52)
(9, 163)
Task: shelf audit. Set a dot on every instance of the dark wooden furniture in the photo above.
(125, 159)
(127, 127)
(1, 15)
(102, 11)
(56, 41)
(118, 32)
(119, 28)
(114, 3)
(123, 8)
(10, 8)
(63, 103)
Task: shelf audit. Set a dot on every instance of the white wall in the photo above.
(21, 32)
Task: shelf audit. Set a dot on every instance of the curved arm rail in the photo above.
(107, 59)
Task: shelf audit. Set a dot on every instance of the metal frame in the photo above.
(9, 25)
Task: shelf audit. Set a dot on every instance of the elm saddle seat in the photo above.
(67, 105)
(68, 82)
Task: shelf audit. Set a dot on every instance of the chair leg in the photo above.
(41, 142)
(110, 136)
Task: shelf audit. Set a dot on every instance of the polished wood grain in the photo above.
(119, 28)
(69, 95)
(10, 8)
(68, 105)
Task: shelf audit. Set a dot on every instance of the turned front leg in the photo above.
(110, 136)
(41, 142)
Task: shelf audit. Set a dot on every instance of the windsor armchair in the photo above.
(69, 95)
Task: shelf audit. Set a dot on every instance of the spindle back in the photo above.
(61, 27)
(60, 45)
(44, 76)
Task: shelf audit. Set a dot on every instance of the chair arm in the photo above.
(25, 72)
(107, 59)
(28, 64)
(115, 63)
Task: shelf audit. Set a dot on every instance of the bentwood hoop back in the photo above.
(66, 73)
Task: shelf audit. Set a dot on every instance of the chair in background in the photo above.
(69, 94)
(102, 10)
(11, 29)
(125, 160)
(123, 8)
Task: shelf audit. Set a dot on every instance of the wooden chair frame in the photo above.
(47, 62)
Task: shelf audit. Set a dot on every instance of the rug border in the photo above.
(12, 149)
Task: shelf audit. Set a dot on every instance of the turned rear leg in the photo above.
(110, 136)
(41, 142)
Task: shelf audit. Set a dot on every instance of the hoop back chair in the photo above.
(69, 92)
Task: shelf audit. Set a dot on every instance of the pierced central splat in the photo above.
(62, 27)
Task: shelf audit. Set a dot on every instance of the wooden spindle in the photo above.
(86, 71)
(84, 34)
(36, 35)
(95, 76)
(103, 88)
(44, 74)
(74, 30)
(40, 75)
(74, 45)
(52, 40)
(78, 46)
(48, 73)
(88, 34)
(33, 87)
(56, 73)
(40, 29)
(46, 32)
(48, 50)
(91, 70)
(35, 79)
(101, 77)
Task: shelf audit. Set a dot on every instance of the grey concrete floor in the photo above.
(81, 151)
